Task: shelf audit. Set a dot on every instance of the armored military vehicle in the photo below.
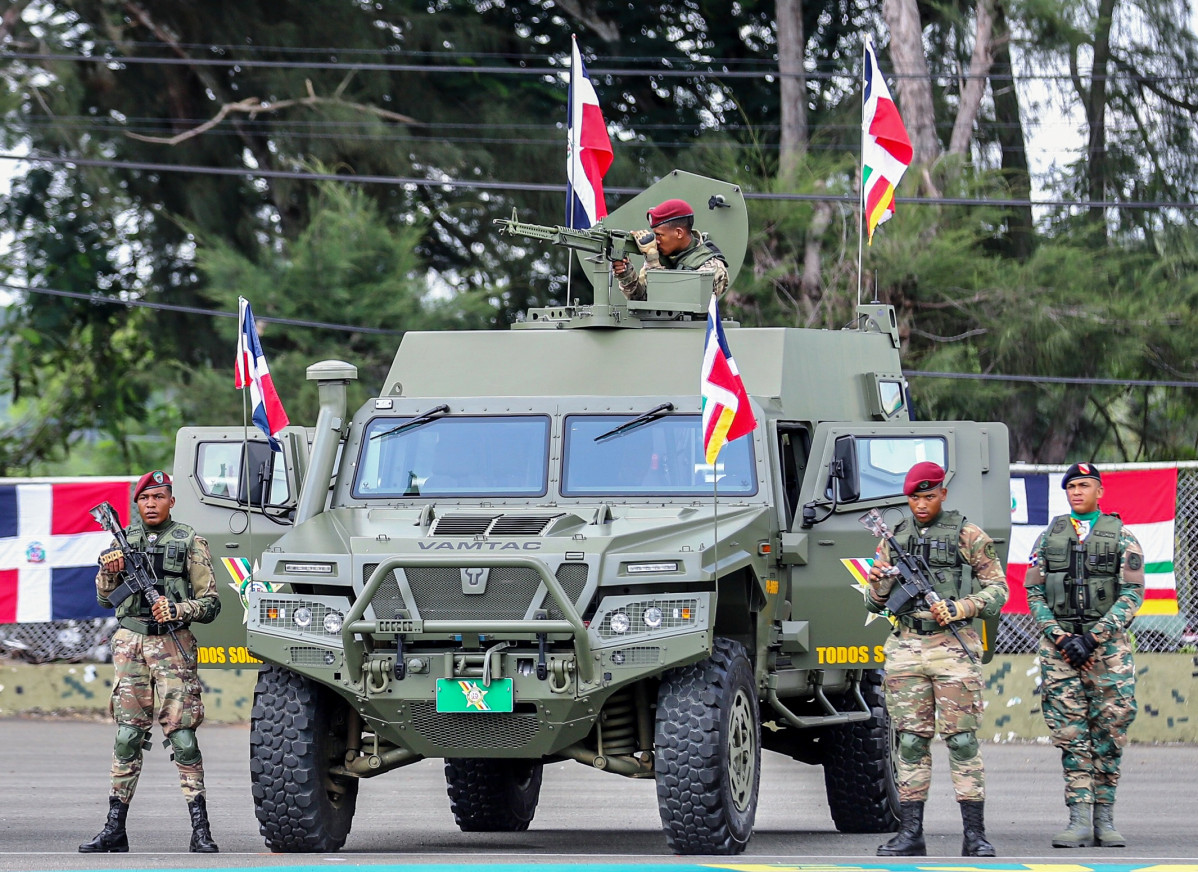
(516, 553)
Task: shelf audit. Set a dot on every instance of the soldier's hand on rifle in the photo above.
(164, 610)
(647, 243)
(948, 611)
(619, 267)
(881, 579)
(112, 561)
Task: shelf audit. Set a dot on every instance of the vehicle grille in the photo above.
(309, 656)
(674, 614)
(437, 592)
(492, 525)
(482, 731)
(639, 656)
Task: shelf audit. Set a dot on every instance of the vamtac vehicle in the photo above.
(516, 554)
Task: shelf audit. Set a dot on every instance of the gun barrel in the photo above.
(613, 244)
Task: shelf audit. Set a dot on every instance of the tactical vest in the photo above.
(168, 555)
(695, 255)
(940, 546)
(1081, 580)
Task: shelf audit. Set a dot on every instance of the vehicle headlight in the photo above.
(620, 623)
(333, 622)
(652, 617)
(302, 617)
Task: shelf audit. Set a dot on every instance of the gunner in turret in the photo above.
(672, 243)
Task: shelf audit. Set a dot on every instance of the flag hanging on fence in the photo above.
(885, 147)
(727, 414)
(252, 372)
(1146, 500)
(49, 545)
(590, 151)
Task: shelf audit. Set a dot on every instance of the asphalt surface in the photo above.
(55, 786)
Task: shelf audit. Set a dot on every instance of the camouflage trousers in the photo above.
(1088, 713)
(147, 667)
(932, 687)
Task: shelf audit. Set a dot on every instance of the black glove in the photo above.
(1078, 649)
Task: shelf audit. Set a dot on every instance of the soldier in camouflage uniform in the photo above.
(931, 684)
(149, 662)
(671, 243)
(1084, 586)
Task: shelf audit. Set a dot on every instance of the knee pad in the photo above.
(184, 747)
(130, 741)
(962, 746)
(913, 748)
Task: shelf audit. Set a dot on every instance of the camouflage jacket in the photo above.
(701, 256)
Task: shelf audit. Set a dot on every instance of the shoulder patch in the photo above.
(990, 551)
(179, 533)
(1135, 560)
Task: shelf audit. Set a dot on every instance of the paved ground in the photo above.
(54, 777)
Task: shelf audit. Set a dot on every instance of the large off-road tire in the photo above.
(297, 733)
(708, 753)
(859, 773)
(493, 795)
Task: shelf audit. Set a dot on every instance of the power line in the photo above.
(98, 299)
(540, 187)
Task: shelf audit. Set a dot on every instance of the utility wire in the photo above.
(101, 300)
(541, 187)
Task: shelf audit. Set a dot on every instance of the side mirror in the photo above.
(844, 470)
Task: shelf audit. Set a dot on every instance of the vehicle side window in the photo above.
(884, 461)
(220, 472)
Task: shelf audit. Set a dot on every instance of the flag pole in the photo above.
(571, 137)
(861, 174)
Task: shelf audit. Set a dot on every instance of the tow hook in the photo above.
(542, 646)
(400, 666)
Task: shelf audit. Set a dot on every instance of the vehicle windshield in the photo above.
(663, 457)
(454, 456)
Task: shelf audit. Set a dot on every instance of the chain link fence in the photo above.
(77, 641)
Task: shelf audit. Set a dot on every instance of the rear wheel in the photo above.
(859, 773)
(493, 795)
(708, 753)
(297, 734)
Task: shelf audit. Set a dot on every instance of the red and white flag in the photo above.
(252, 372)
(590, 151)
(49, 545)
(886, 150)
(727, 414)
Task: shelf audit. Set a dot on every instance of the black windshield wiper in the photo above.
(422, 418)
(651, 415)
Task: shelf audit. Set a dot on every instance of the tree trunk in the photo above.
(792, 88)
(1011, 139)
(914, 84)
(1096, 110)
(975, 84)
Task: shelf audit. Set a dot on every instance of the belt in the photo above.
(926, 628)
(1077, 627)
(146, 628)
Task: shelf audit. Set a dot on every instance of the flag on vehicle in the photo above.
(885, 147)
(590, 151)
(252, 372)
(49, 545)
(727, 414)
(1146, 500)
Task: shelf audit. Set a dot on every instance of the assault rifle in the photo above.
(914, 580)
(139, 572)
(608, 244)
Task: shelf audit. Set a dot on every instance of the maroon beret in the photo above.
(923, 476)
(668, 211)
(157, 478)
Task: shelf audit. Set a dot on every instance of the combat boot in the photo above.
(112, 839)
(974, 844)
(1080, 832)
(201, 832)
(1104, 827)
(908, 841)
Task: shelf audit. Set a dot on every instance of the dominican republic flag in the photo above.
(252, 372)
(49, 546)
(590, 151)
(1146, 500)
(727, 414)
(885, 147)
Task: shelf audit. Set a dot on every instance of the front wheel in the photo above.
(297, 735)
(493, 795)
(708, 753)
(859, 773)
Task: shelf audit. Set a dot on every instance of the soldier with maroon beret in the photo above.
(932, 686)
(155, 672)
(672, 243)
